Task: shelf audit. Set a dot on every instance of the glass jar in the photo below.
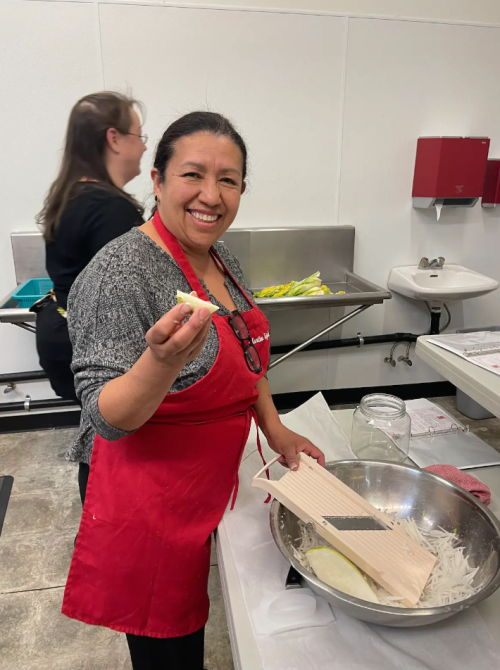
(381, 429)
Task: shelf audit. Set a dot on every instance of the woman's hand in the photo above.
(173, 342)
(131, 399)
(287, 443)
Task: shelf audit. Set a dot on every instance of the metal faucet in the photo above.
(425, 263)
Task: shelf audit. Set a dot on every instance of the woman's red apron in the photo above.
(142, 555)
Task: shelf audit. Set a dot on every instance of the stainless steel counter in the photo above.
(28, 251)
(273, 256)
(10, 312)
(268, 256)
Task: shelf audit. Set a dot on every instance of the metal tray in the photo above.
(357, 291)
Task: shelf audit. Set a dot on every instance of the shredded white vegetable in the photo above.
(450, 581)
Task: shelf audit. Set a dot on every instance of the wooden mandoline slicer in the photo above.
(367, 537)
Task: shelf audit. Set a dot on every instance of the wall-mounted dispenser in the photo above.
(491, 190)
(449, 171)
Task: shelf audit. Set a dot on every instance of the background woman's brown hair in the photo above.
(84, 152)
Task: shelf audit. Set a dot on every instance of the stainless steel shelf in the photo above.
(268, 256)
(357, 291)
(10, 312)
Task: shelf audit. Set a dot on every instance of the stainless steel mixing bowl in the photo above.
(411, 493)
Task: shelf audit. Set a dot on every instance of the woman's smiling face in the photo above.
(199, 198)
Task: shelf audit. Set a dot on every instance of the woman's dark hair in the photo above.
(84, 152)
(196, 122)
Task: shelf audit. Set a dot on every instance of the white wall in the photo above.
(457, 11)
(255, 68)
(404, 80)
(49, 57)
(331, 107)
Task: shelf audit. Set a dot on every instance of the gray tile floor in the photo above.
(35, 551)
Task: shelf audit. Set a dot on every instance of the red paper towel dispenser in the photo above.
(449, 171)
(491, 190)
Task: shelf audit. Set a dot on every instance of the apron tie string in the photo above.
(251, 414)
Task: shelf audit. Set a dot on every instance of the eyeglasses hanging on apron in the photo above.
(240, 329)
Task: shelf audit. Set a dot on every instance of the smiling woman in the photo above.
(199, 176)
(177, 396)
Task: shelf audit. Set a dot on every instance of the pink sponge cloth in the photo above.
(464, 480)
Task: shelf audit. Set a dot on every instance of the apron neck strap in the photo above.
(178, 255)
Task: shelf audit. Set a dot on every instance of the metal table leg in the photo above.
(26, 326)
(5, 491)
(337, 324)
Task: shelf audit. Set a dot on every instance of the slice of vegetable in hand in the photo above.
(337, 571)
(196, 303)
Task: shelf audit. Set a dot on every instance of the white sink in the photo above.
(451, 282)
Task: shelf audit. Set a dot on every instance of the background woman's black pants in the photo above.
(54, 350)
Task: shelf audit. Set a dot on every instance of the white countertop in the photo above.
(243, 642)
(489, 476)
(481, 385)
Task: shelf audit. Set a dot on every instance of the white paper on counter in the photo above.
(315, 421)
(264, 624)
(463, 641)
(463, 450)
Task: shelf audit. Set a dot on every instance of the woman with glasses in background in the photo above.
(168, 396)
(86, 207)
